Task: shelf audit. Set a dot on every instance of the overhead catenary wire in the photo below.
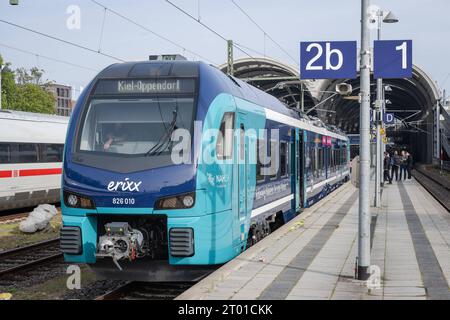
(264, 32)
(61, 40)
(120, 15)
(236, 45)
(48, 58)
(249, 49)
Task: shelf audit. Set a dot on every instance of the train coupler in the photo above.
(122, 242)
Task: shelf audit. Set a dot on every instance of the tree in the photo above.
(33, 98)
(8, 84)
(29, 94)
(34, 76)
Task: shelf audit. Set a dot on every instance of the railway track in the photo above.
(147, 291)
(439, 190)
(23, 258)
(13, 217)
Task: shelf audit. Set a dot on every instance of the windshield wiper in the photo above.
(165, 138)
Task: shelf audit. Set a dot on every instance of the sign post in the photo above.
(392, 59)
(337, 60)
(364, 129)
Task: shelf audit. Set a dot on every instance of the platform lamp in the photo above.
(14, 2)
(380, 111)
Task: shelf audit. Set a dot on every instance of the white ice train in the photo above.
(31, 150)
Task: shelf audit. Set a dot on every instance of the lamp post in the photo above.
(363, 261)
(379, 112)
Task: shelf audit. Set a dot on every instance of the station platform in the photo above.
(313, 256)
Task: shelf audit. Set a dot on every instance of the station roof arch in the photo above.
(410, 100)
(276, 78)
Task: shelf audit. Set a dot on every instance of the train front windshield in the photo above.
(134, 127)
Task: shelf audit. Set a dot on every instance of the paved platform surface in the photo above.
(313, 256)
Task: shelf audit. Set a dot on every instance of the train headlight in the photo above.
(72, 200)
(182, 201)
(188, 201)
(76, 201)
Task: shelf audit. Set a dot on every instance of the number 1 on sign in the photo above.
(403, 48)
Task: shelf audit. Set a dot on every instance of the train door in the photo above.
(243, 174)
(325, 161)
(301, 168)
(293, 164)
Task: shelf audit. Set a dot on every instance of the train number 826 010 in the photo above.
(123, 201)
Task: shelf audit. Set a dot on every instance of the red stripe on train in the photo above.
(39, 172)
(5, 173)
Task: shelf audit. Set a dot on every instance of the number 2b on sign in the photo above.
(328, 60)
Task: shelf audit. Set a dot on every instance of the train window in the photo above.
(274, 159)
(316, 162)
(309, 162)
(283, 158)
(332, 159)
(242, 143)
(5, 153)
(135, 126)
(27, 153)
(224, 144)
(328, 157)
(52, 152)
(260, 152)
(324, 154)
(320, 162)
(344, 149)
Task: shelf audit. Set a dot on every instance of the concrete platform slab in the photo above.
(410, 251)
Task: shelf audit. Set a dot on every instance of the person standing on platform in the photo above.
(387, 167)
(395, 166)
(409, 164)
(403, 165)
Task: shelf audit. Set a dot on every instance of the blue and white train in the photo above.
(132, 212)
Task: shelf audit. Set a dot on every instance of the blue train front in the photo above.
(161, 178)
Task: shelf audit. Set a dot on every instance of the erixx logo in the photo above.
(126, 185)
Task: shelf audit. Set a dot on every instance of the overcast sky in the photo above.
(427, 23)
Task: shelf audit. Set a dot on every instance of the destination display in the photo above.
(145, 86)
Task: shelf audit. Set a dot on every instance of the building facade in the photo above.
(63, 98)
